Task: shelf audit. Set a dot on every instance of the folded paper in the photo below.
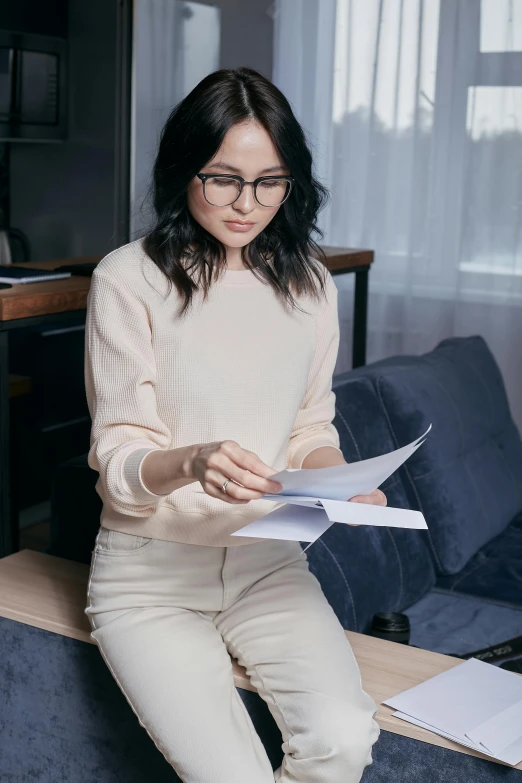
(475, 704)
(343, 482)
(322, 499)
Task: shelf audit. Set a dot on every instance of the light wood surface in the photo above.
(59, 296)
(51, 593)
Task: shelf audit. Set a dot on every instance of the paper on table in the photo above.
(462, 699)
(500, 731)
(511, 758)
(422, 724)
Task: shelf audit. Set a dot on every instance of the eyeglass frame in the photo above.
(242, 182)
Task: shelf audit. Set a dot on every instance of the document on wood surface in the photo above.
(475, 704)
(325, 493)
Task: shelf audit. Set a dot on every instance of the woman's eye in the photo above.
(273, 183)
(222, 182)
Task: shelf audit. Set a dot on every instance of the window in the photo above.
(501, 25)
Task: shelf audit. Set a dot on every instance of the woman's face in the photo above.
(247, 150)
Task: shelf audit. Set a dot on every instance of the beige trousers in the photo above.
(165, 617)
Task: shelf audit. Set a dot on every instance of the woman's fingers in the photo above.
(234, 492)
(377, 498)
(248, 476)
(245, 477)
(245, 468)
(242, 487)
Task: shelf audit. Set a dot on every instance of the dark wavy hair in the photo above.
(191, 136)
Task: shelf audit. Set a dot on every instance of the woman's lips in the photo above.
(233, 226)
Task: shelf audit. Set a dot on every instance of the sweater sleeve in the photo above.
(120, 374)
(313, 426)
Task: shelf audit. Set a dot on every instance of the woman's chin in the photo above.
(230, 239)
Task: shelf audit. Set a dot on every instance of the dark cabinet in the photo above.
(52, 423)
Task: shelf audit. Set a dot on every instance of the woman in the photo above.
(210, 348)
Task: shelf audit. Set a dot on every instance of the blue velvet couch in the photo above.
(460, 582)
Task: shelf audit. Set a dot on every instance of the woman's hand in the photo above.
(377, 498)
(214, 463)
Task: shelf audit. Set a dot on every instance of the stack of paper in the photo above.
(475, 704)
(322, 498)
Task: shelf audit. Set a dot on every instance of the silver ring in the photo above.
(224, 487)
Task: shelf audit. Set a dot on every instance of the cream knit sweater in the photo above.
(239, 366)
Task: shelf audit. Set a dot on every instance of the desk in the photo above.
(63, 303)
(341, 261)
(60, 302)
(51, 593)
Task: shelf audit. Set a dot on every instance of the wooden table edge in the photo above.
(34, 562)
(69, 295)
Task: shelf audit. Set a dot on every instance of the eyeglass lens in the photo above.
(221, 191)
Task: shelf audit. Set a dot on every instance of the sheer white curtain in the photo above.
(414, 111)
(175, 45)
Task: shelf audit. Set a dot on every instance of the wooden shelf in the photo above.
(48, 297)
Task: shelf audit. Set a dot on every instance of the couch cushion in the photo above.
(456, 625)
(467, 477)
(495, 572)
(364, 570)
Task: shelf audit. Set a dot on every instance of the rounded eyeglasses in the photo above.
(221, 190)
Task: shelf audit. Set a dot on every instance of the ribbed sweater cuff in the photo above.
(131, 470)
(304, 449)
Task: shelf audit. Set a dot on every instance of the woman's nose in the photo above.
(246, 201)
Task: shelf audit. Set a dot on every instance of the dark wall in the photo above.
(40, 17)
(62, 197)
(62, 194)
(247, 30)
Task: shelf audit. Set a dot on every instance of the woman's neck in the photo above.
(234, 260)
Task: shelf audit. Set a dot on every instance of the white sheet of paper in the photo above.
(289, 523)
(500, 731)
(296, 500)
(299, 521)
(335, 486)
(343, 482)
(508, 760)
(366, 514)
(462, 699)
(511, 755)
(409, 719)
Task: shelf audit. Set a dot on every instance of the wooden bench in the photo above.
(51, 593)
